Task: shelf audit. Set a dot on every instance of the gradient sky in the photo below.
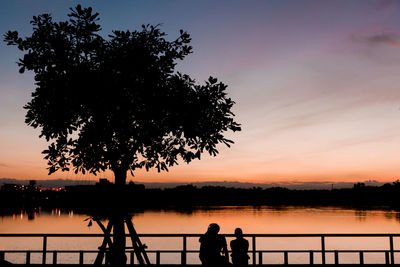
(316, 85)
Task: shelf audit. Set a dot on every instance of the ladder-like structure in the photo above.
(137, 246)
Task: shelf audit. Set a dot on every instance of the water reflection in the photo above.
(390, 215)
(258, 219)
(361, 215)
(253, 220)
(34, 213)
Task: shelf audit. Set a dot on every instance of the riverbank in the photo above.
(135, 197)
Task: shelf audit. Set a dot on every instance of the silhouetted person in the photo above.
(211, 246)
(239, 247)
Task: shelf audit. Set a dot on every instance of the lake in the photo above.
(253, 220)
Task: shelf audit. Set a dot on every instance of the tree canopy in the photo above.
(118, 103)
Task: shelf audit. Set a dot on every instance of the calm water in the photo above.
(264, 220)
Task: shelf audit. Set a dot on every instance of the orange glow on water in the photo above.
(265, 220)
(251, 220)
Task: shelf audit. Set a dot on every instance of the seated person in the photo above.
(239, 247)
(213, 247)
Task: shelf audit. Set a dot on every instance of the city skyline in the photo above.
(315, 86)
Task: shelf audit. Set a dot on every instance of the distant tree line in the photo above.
(136, 197)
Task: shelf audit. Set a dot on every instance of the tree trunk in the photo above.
(118, 257)
(120, 176)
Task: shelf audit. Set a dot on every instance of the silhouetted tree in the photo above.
(118, 103)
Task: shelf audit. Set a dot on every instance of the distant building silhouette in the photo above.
(103, 181)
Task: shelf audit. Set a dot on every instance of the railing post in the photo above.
(183, 258)
(158, 258)
(285, 258)
(361, 257)
(391, 250)
(336, 257)
(323, 249)
(260, 258)
(54, 257)
(184, 250)
(386, 257)
(253, 238)
(44, 249)
(80, 257)
(28, 257)
(311, 257)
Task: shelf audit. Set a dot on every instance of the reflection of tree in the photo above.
(388, 214)
(361, 214)
(31, 214)
(118, 103)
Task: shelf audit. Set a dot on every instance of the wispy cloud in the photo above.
(390, 5)
(392, 39)
(3, 165)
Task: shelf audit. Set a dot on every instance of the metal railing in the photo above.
(257, 255)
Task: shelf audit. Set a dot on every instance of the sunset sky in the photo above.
(316, 85)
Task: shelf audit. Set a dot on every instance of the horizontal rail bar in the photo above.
(326, 251)
(159, 252)
(198, 235)
(197, 251)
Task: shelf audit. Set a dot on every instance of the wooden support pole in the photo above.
(260, 258)
(132, 258)
(136, 248)
(285, 258)
(137, 244)
(106, 241)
